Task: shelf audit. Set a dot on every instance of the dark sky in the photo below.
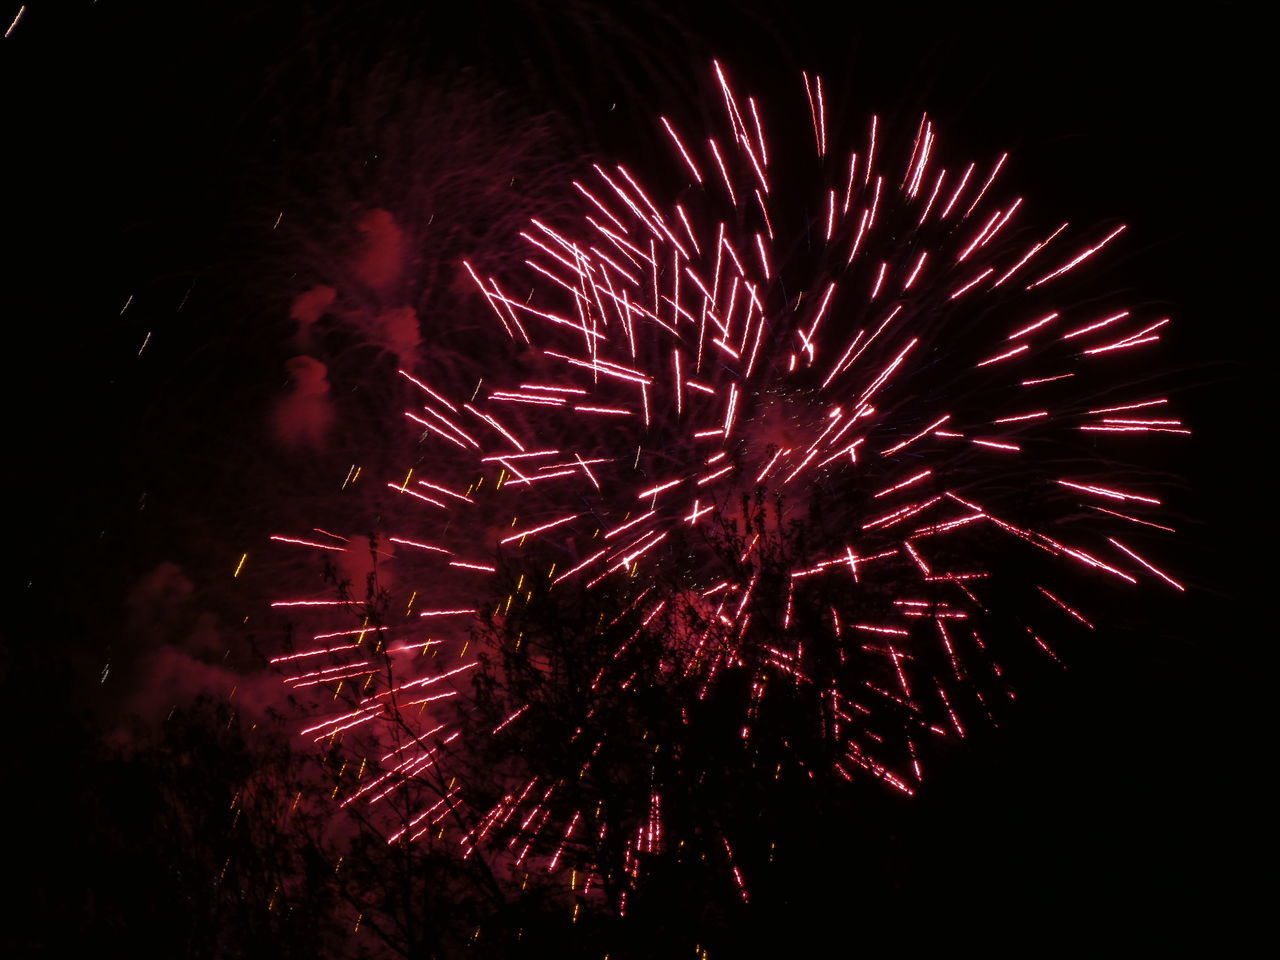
(144, 142)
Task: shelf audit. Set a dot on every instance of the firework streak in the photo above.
(855, 444)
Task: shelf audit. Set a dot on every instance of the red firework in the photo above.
(855, 447)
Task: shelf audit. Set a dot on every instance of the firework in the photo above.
(818, 452)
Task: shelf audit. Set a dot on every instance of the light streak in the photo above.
(685, 394)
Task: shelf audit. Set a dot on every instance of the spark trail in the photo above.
(843, 449)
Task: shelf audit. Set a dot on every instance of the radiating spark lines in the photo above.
(807, 467)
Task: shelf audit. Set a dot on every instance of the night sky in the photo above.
(150, 147)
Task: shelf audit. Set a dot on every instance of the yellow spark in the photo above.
(407, 477)
(240, 565)
(411, 599)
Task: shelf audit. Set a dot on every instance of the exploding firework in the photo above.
(785, 476)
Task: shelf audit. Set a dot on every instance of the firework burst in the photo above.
(820, 471)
